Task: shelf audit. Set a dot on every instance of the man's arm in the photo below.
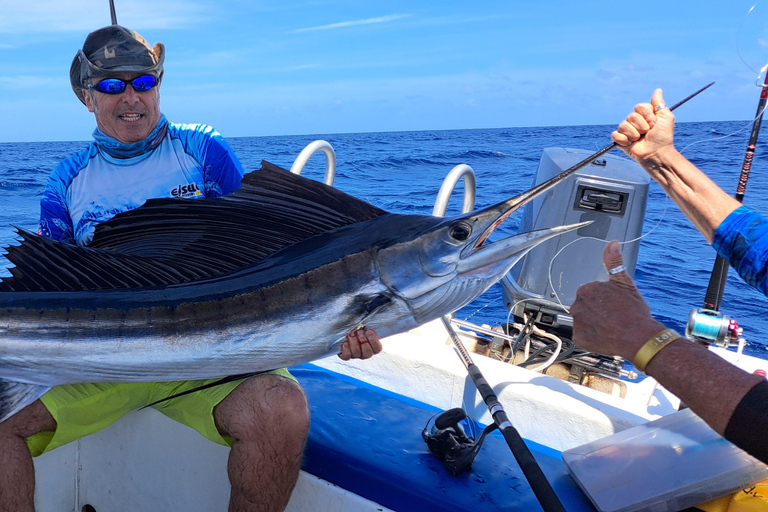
(55, 221)
(223, 171)
(736, 233)
(647, 137)
(613, 318)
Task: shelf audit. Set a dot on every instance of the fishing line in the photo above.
(478, 310)
(738, 34)
(758, 82)
(666, 198)
(591, 159)
(230, 378)
(747, 125)
(552, 261)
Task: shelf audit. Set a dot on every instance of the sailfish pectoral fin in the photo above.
(369, 308)
(14, 396)
(336, 344)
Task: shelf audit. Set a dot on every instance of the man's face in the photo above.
(129, 116)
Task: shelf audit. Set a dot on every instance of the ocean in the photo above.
(402, 172)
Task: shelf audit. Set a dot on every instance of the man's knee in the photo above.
(266, 405)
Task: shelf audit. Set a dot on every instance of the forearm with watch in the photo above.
(712, 387)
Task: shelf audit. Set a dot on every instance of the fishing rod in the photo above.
(112, 12)
(714, 295)
(707, 324)
(531, 469)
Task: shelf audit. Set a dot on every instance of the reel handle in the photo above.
(450, 418)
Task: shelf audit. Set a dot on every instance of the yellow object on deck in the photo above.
(751, 499)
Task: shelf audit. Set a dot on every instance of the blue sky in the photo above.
(282, 67)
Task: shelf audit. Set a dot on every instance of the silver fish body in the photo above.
(388, 272)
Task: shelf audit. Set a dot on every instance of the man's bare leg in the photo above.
(17, 473)
(268, 419)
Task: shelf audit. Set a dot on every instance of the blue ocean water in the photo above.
(403, 171)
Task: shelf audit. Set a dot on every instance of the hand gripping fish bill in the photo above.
(271, 276)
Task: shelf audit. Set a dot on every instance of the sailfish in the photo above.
(273, 275)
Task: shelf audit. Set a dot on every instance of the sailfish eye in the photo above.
(460, 231)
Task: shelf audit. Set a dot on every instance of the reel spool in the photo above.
(708, 326)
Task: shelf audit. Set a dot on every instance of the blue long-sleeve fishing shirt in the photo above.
(742, 239)
(108, 177)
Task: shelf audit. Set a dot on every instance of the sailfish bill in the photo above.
(271, 276)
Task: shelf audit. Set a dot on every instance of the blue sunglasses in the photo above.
(116, 86)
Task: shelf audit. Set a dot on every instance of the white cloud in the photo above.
(301, 67)
(457, 19)
(356, 23)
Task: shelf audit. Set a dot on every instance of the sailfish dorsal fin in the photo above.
(169, 241)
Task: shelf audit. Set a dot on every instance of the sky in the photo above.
(289, 67)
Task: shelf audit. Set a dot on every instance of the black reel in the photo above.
(447, 440)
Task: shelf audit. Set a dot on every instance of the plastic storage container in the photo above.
(666, 465)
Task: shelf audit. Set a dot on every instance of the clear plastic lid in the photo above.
(665, 465)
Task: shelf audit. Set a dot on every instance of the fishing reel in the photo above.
(449, 443)
(709, 326)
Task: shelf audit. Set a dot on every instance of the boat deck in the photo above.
(364, 453)
(372, 446)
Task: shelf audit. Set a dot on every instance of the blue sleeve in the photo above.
(742, 239)
(222, 170)
(55, 221)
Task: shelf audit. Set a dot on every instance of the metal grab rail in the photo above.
(449, 184)
(311, 149)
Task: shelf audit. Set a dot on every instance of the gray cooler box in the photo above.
(612, 192)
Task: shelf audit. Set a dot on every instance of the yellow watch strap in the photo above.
(652, 347)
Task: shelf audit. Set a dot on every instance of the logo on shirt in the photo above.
(190, 190)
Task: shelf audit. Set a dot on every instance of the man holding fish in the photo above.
(613, 318)
(138, 155)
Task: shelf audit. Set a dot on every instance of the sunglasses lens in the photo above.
(116, 86)
(111, 86)
(144, 83)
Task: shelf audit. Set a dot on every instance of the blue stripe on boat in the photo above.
(368, 440)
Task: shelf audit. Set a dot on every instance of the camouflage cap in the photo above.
(110, 49)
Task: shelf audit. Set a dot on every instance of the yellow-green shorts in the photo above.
(82, 409)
